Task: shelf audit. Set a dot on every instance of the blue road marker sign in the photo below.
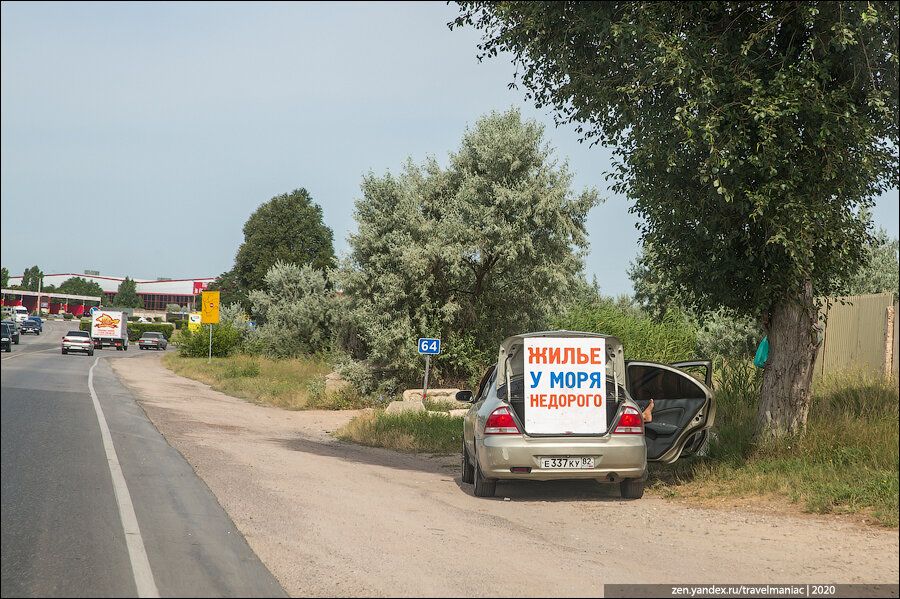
(429, 346)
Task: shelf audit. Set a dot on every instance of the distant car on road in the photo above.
(13, 330)
(154, 340)
(30, 326)
(78, 341)
(5, 337)
(19, 313)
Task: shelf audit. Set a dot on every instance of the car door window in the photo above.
(485, 383)
(681, 406)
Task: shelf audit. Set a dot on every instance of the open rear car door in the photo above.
(684, 405)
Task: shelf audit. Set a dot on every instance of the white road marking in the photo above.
(140, 564)
(25, 353)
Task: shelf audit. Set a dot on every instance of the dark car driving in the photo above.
(13, 330)
(30, 326)
(5, 338)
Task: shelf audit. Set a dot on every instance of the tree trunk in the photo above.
(793, 346)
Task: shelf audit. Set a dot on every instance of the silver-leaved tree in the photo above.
(486, 247)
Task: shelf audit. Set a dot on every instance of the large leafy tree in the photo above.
(4, 277)
(487, 247)
(79, 286)
(746, 134)
(126, 295)
(230, 289)
(288, 228)
(882, 273)
(31, 278)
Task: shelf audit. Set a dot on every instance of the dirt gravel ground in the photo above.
(332, 519)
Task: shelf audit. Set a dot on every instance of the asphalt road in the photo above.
(95, 503)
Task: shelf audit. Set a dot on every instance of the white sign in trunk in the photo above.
(565, 385)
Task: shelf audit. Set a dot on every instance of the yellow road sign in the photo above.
(210, 310)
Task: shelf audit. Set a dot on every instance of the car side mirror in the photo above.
(466, 396)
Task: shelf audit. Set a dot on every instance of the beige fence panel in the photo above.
(892, 360)
(854, 335)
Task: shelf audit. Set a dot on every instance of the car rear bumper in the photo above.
(616, 457)
(78, 347)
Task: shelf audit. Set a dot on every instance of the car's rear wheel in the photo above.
(63, 352)
(483, 486)
(632, 488)
(468, 472)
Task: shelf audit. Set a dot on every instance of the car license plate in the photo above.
(577, 463)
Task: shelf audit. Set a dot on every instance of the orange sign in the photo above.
(210, 311)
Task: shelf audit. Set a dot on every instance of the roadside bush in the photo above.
(722, 334)
(295, 310)
(234, 315)
(461, 355)
(67, 316)
(197, 345)
(358, 374)
(670, 339)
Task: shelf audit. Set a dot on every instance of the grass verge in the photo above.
(845, 463)
(297, 384)
(429, 432)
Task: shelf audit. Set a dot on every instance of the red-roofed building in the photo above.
(155, 293)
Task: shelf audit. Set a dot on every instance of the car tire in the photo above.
(468, 471)
(632, 488)
(63, 352)
(483, 486)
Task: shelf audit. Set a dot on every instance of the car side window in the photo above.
(661, 384)
(485, 383)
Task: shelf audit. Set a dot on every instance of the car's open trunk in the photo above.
(512, 371)
(518, 401)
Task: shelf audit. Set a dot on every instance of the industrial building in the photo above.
(156, 294)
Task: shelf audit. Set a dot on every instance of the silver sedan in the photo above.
(566, 405)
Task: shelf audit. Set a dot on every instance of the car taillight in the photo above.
(501, 422)
(630, 422)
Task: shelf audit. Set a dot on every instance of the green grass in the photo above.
(845, 463)
(292, 384)
(426, 431)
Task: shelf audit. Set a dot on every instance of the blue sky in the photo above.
(139, 137)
